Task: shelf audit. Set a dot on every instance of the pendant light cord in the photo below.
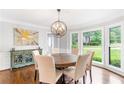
(58, 14)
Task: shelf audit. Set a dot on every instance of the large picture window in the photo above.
(107, 43)
(115, 46)
(93, 41)
(74, 43)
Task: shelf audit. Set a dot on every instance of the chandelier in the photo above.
(59, 28)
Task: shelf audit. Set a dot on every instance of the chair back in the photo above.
(55, 50)
(34, 53)
(75, 51)
(46, 68)
(89, 63)
(81, 66)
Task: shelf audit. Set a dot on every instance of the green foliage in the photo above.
(115, 62)
(94, 37)
(115, 35)
(98, 52)
(97, 59)
(115, 57)
(93, 42)
(74, 40)
(74, 46)
(115, 54)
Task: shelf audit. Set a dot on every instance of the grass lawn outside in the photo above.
(115, 54)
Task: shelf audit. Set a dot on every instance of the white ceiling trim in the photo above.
(101, 24)
(23, 23)
(97, 23)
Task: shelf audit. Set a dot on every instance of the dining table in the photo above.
(64, 60)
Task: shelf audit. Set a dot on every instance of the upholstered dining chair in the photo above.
(79, 70)
(34, 53)
(89, 64)
(55, 50)
(75, 51)
(47, 70)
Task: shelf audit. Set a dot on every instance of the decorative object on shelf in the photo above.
(24, 37)
(59, 28)
(21, 58)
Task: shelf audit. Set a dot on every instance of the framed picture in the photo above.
(25, 37)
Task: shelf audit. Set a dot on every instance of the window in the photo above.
(93, 41)
(115, 46)
(74, 40)
(74, 43)
(107, 42)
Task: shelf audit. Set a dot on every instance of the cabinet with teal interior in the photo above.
(21, 58)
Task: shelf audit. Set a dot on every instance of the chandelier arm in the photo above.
(57, 30)
(63, 33)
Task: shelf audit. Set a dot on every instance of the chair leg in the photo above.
(63, 79)
(75, 82)
(69, 81)
(90, 72)
(43, 83)
(83, 79)
(86, 72)
(35, 77)
(40, 83)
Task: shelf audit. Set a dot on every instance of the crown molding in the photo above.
(79, 27)
(99, 24)
(23, 23)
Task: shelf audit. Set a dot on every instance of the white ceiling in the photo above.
(74, 18)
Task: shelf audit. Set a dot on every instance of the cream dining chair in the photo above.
(47, 70)
(34, 53)
(79, 70)
(89, 64)
(55, 50)
(75, 51)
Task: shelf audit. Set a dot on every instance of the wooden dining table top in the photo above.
(64, 59)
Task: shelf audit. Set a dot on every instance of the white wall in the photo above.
(6, 41)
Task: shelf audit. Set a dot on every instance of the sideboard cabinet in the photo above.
(21, 58)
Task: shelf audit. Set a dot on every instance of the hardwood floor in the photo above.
(18, 76)
(26, 76)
